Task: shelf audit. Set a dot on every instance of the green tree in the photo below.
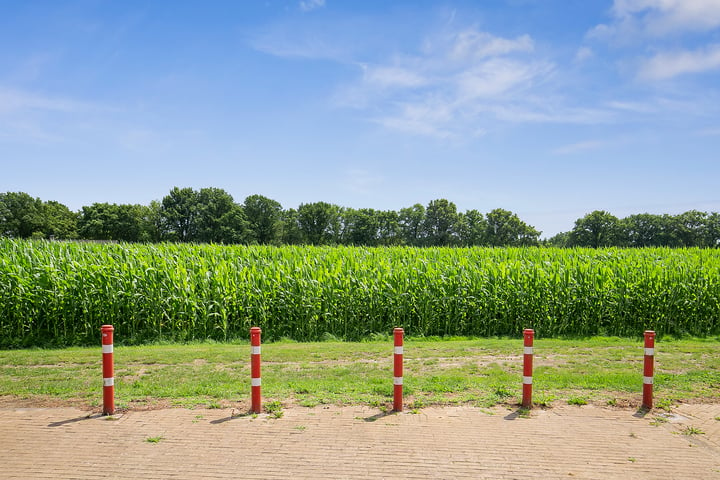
(389, 232)
(713, 230)
(291, 233)
(264, 216)
(559, 240)
(645, 230)
(178, 214)
(21, 215)
(410, 221)
(505, 228)
(596, 229)
(318, 222)
(440, 223)
(234, 227)
(691, 229)
(362, 226)
(213, 207)
(127, 223)
(59, 221)
(472, 228)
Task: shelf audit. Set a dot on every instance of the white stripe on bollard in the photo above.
(255, 350)
(107, 349)
(397, 380)
(108, 382)
(398, 350)
(527, 380)
(255, 382)
(648, 380)
(528, 350)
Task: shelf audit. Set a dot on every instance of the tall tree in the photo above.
(179, 212)
(21, 215)
(691, 229)
(264, 216)
(362, 226)
(318, 222)
(213, 206)
(596, 229)
(58, 221)
(389, 228)
(440, 224)
(472, 228)
(645, 230)
(504, 228)
(291, 233)
(410, 221)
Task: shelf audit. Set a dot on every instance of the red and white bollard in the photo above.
(398, 333)
(649, 369)
(255, 370)
(108, 370)
(528, 334)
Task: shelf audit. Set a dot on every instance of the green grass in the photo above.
(483, 372)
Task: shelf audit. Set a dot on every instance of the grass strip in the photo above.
(481, 372)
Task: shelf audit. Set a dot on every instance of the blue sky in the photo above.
(548, 108)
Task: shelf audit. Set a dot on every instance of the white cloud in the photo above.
(428, 118)
(392, 76)
(472, 44)
(584, 53)
(309, 5)
(666, 65)
(660, 17)
(579, 147)
(448, 87)
(497, 76)
(18, 100)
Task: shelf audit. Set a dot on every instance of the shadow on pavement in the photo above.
(75, 420)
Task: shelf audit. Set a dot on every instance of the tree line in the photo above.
(211, 215)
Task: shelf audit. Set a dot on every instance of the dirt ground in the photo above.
(587, 442)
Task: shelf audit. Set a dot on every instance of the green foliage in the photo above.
(54, 293)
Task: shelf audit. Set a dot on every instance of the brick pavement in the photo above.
(358, 442)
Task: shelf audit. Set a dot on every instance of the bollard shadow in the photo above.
(233, 416)
(520, 412)
(379, 415)
(75, 420)
(642, 412)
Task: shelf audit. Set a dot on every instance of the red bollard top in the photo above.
(398, 333)
(649, 338)
(107, 334)
(255, 336)
(528, 334)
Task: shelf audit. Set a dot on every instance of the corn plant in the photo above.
(58, 293)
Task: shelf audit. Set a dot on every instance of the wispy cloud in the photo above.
(663, 27)
(451, 85)
(666, 65)
(658, 18)
(309, 5)
(661, 17)
(12, 101)
(579, 147)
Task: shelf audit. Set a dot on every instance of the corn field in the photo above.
(56, 293)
